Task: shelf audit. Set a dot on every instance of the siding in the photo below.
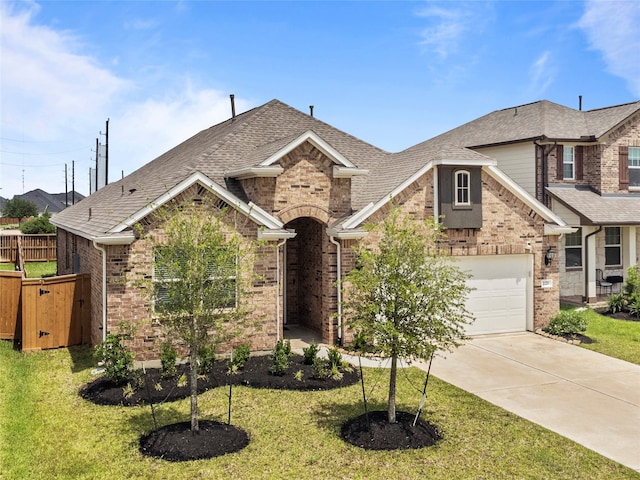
(518, 161)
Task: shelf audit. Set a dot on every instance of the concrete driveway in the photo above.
(587, 397)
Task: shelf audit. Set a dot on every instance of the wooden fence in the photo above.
(12, 221)
(45, 313)
(35, 248)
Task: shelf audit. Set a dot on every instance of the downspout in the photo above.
(338, 286)
(104, 289)
(278, 288)
(586, 262)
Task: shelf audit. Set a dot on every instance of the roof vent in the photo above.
(311, 110)
(515, 112)
(233, 106)
(132, 190)
(580, 102)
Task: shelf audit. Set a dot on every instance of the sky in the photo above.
(390, 73)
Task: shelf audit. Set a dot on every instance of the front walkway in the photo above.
(585, 396)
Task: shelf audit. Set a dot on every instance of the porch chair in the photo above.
(602, 283)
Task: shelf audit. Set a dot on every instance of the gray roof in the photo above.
(595, 209)
(538, 120)
(44, 201)
(241, 142)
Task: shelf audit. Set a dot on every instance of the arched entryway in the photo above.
(310, 294)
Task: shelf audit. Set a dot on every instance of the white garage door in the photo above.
(502, 299)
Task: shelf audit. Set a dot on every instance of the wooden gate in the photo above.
(10, 307)
(55, 312)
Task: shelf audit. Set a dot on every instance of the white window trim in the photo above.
(569, 161)
(457, 187)
(633, 167)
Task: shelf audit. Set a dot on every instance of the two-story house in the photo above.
(585, 166)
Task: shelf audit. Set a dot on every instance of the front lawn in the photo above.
(48, 431)
(616, 338)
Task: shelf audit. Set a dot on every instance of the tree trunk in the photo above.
(391, 409)
(193, 372)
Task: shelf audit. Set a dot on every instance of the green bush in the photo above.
(634, 306)
(568, 322)
(280, 358)
(38, 225)
(310, 353)
(239, 357)
(335, 357)
(320, 368)
(168, 357)
(206, 359)
(617, 302)
(116, 358)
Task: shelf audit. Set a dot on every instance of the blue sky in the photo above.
(391, 73)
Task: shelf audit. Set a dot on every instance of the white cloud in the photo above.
(541, 73)
(55, 99)
(450, 24)
(612, 27)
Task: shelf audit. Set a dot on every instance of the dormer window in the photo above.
(462, 188)
(568, 163)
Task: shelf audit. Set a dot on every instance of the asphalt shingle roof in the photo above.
(596, 209)
(537, 120)
(241, 142)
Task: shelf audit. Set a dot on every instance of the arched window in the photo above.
(461, 187)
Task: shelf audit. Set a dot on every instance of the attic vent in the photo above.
(221, 204)
(132, 190)
(201, 190)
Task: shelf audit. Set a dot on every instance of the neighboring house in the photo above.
(48, 202)
(307, 189)
(585, 166)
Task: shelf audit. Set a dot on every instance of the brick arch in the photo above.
(313, 211)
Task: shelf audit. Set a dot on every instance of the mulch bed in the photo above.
(622, 316)
(156, 389)
(378, 434)
(176, 442)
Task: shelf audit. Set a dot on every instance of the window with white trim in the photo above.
(221, 268)
(573, 249)
(612, 246)
(634, 167)
(462, 188)
(568, 163)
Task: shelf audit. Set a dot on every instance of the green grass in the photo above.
(47, 431)
(34, 269)
(616, 338)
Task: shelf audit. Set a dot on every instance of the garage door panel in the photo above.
(501, 290)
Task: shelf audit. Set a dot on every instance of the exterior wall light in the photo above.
(549, 256)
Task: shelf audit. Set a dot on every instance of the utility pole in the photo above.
(73, 182)
(106, 154)
(97, 156)
(66, 188)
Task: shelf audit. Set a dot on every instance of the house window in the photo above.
(221, 283)
(634, 167)
(462, 182)
(568, 163)
(573, 249)
(612, 246)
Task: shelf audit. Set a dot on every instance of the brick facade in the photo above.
(306, 198)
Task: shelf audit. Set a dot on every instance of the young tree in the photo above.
(201, 275)
(18, 208)
(405, 298)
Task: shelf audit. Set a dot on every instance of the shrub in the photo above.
(280, 358)
(206, 359)
(568, 322)
(38, 225)
(116, 358)
(310, 353)
(335, 357)
(239, 357)
(359, 343)
(632, 285)
(320, 368)
(634, 306)
(168, 357)
(617, 302)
